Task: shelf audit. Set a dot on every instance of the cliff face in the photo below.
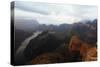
(85, 51)
(75, 44)
(91, 55)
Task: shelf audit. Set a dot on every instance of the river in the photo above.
(19, 56)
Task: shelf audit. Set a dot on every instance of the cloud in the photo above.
(30, 7)
(54, 13)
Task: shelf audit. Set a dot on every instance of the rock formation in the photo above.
(85, 51)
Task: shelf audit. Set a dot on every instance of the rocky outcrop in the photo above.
(83, 50)
(91, 54)
(75, 44)
(47, 58)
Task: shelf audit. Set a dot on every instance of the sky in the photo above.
(48, 13)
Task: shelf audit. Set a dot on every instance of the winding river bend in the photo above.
(19, 53)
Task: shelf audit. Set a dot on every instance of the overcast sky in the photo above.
(46, 13)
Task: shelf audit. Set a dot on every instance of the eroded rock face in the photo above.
(75, 44)
(74, 48)
(82, 50)
(91, 54)
(88, 53)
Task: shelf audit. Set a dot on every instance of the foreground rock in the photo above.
(47, 58)
(82, 50)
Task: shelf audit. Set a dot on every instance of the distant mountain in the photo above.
(88, 21)
(51, 27)
(63, 26)
(87, 32)
(95, 21)
(26, 25)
